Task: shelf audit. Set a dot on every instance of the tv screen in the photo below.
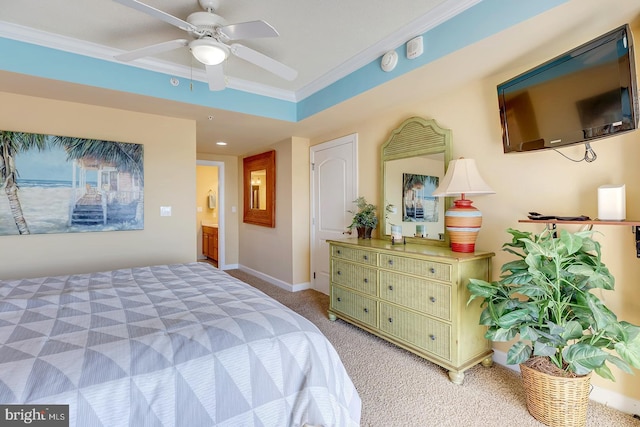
(584, 94)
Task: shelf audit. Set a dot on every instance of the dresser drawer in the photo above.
(357, 306)
(419, 294)
(358, 255)
(355, 276)
(420, 331)
(428, 269)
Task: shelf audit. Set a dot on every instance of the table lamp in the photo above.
(462, 220)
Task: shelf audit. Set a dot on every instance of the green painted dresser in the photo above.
(414, 296)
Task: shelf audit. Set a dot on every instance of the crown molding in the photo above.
(80, 47)
(439, 14)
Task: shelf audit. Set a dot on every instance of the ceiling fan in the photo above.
(210, 41)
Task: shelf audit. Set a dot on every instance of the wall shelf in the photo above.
(635, 225)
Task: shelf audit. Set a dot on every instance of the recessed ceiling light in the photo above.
(221, 143)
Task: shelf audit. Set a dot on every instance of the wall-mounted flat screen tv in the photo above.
(584, 94)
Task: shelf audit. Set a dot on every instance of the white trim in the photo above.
(436, 16)
(221, 216)
(598, 394)
(276, 282)
(93, 50)
(439, 14)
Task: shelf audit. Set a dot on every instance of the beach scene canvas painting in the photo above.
(58, 184)
(419, 204)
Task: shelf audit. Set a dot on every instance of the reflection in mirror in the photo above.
(408, 186)
(258, 189)
(259, 182)
(414, 160)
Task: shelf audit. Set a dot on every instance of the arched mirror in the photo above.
(414, 160)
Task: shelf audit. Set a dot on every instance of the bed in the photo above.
(170, 345)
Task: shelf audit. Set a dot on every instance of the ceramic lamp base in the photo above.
(463, 223)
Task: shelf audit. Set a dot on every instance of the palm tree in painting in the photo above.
(128, 157)
(11, 143)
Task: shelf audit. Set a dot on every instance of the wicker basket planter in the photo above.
(556, 401)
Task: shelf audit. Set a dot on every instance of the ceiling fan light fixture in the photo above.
(209, 51)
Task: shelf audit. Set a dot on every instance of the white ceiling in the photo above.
(323, 39)
(316, 37)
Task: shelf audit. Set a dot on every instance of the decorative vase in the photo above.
(364, 232)
(556, 401)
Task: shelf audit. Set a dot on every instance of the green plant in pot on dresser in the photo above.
(364, 218)
(564, 332)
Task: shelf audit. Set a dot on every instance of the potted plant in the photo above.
(364, 218)
(563, 331)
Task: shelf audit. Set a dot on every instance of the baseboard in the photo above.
(276, 282)
(598, 394)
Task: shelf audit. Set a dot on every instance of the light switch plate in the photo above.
(165, 210)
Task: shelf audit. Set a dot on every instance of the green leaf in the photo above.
(528, 333)
(629, 352)
(541, 349)
(573, 242)
(513, 318)
(583, 358)
(605, 372)
(572, 331)
(500, 334)
(621, 364)
(518, 353)
(480, 288)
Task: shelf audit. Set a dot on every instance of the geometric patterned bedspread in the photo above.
(171, 345)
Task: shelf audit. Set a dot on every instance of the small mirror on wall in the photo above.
(259, 182)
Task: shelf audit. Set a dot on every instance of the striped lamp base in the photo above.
(463, 223)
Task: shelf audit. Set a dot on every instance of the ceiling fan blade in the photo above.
(248, 30)
(263, 61)
(215, 77)
(157, 13)
(154, 49)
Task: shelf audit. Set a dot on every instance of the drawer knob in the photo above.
(432, 299)
(338, 272)
(432, 337)
(432, 270)
(339, 299)
(366, 280)
(390, 262)
(390, 287)
(365, 257)
(390, 319)
(366, 310)
(338, 252)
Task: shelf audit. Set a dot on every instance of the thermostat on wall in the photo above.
(414, 47)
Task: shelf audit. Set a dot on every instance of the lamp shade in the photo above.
(209, 51)
(462, 177)
(462, 220)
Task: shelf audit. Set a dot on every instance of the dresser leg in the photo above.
(487, 362)
(456, 377)
(332, 317)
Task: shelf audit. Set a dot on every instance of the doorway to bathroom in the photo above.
(209, 225)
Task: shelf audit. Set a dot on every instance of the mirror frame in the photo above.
(264, 161)
(414, 137)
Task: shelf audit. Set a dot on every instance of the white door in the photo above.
(334, 187)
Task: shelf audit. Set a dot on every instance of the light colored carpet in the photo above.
(399, 389)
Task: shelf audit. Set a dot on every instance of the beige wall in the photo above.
(545, 182)
(282, 253)
(169, 145)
